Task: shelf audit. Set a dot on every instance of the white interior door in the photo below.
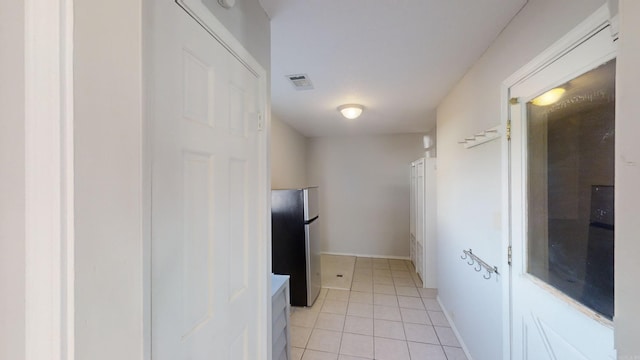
(429, 259)
(419, 219)
(412, 214)
(207, 241)
(552, 314)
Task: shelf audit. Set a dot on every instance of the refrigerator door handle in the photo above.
(307, 222)
(314, 282)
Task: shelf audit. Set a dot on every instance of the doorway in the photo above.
(561, 166)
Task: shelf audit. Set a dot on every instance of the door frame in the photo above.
(598, 21)
(49, 183)
(201, 14)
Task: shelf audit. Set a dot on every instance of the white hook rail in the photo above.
(479, 264)
(481, 137)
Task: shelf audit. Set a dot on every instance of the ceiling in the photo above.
(398, 58)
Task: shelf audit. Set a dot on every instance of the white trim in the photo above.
(593, 24)
(367, 255)
(506, 225)
(49, 224)
(598, 21)
(265, 144)
(197, 10)
(455, 330)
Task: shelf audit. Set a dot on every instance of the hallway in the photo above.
(80, 105)
(386, 315)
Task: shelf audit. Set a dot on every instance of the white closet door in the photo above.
(419, 199)
(412, 216)
(206, 245)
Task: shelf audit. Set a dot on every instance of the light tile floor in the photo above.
(386, 315)
(337, 271)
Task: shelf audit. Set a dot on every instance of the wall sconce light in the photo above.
(351, 111)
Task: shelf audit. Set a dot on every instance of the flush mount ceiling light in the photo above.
(351, 111)
(549, 97)
(227, 4)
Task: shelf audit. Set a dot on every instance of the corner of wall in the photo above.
(289, 158)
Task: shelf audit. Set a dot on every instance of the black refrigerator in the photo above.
(295, 245)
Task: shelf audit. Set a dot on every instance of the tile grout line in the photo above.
(397, 280)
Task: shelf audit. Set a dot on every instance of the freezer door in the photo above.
(313, 261)
(311, 203)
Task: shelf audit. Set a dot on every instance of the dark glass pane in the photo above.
(570, 195)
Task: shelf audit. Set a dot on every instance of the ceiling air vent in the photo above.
(300, 81)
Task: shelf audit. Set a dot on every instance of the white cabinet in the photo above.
(280, 310)
(422, 239)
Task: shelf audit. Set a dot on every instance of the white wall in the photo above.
(627, 319)
(364, 192)
(108, 179)
(288, 156)
(469, 180)
(12, 255)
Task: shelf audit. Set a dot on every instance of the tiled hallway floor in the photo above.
(337, 271)
(386, 315)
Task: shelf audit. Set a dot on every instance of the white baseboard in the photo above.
(455, 330)
(368, 255)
